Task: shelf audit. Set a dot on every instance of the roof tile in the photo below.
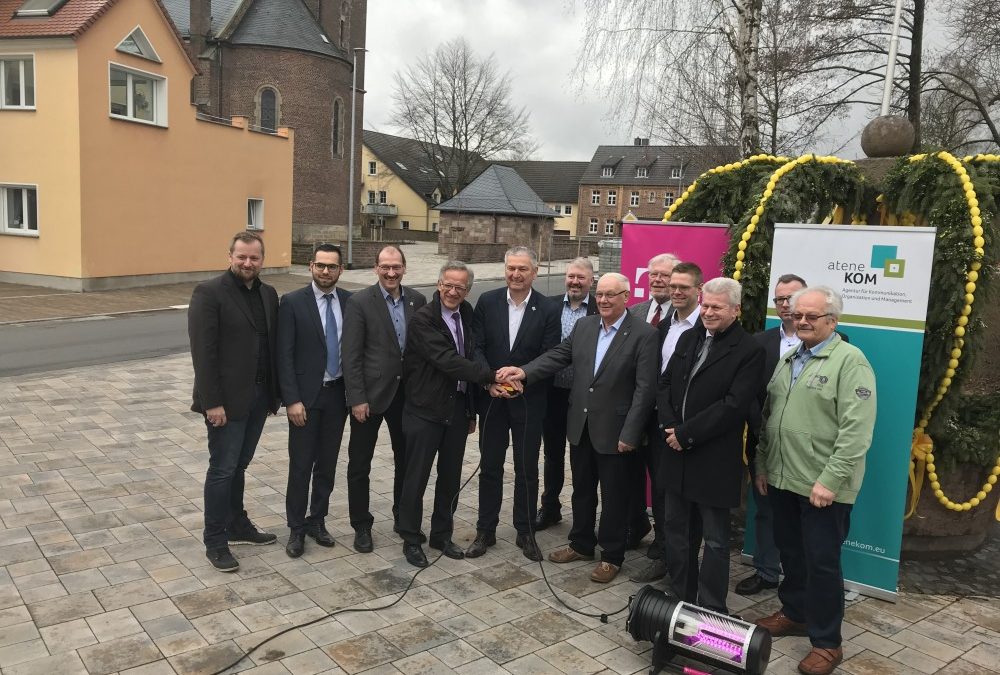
(69, 21)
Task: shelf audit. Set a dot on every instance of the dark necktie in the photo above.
(459, 341)
(332, 343)
(655, 321)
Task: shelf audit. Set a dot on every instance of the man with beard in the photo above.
(232, 329)
(310, 371)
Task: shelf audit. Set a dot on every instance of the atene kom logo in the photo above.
(883, 258)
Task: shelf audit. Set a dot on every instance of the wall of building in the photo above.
(646, 210)
(410, 206)
(41, 147)
(566, 223)
(167, 200)
(485, 228)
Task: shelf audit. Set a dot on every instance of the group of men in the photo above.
(665, 388)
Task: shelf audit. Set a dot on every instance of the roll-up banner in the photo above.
(883, 274)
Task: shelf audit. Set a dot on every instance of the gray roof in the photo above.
(180, 12)
(408, 160)
(283, 23)
(499, 189)
(659, 161)
(554, 182)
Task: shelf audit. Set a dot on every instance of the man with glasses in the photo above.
(817, 426)
(311, 375)
(374, 338)
(438, 413)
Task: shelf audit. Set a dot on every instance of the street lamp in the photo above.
(350, 190)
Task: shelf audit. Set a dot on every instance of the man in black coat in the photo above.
(374, 338)
(703, 402)
(311, 374)
(512, 325)
(438, 412)
(232, 329)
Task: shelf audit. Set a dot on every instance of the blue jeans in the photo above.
(230, 449)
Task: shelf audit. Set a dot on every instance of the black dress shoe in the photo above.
(222, 559)
(296, 545)
(635, 535)
(247, 533)
(546, 518)
(482, 542)
(529, 547)
(654, 571)
(363, 540)
(415, 555)
(449, 548)
(320, 534)
(754, 584)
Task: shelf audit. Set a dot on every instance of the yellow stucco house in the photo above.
(108, 176)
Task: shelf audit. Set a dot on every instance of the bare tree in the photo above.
(458, 107)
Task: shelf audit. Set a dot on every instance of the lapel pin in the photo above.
(532, 309)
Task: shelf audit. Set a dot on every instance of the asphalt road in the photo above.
(54, 345)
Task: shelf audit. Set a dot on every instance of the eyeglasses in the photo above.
(809, 318)
(452, 287)
(390, 268)
(600, 295)
(782, 299)
(680, 288)
(323, 267)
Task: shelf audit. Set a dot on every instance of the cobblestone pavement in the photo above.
(102, 569)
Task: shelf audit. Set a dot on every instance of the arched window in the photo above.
(268, 110)
(337, 131)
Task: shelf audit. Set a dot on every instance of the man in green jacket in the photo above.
(817, 426)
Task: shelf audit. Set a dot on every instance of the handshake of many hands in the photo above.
(509, 382)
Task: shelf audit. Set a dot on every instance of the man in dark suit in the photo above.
(374, 338)
(231, 326)
(703, 401)
(512, 325)
(614, 381)
(775, 341)
(576, 303)
(310, 371)
(438, 413)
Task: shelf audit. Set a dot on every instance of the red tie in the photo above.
(656, 317)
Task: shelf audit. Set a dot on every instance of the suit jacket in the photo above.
(540, 331)
(709, 470)
(373, 361)
(432, 367)
(224, 345)
(614, 403)
(302, 345)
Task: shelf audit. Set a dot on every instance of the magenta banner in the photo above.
(700, 243)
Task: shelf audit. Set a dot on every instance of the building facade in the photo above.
(558, 185)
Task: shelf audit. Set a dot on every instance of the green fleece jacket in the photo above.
(820, 428)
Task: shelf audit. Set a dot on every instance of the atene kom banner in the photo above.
(700, 243)
(883, 274)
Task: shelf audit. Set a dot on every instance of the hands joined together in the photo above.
(509, 382)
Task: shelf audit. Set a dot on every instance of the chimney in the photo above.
(201, 25)
(641, 141)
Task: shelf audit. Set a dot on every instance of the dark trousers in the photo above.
(650, 457)
(554, 444)
(809, 540)
(230, 449)
(613, 473)
(424, 440)
(513, 418)
(312, 452)
(361, 449)
(766, 559)
(707, 585)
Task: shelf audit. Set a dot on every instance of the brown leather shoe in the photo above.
(778, 625)
(821, 661)
(604, 572)
(567, 554)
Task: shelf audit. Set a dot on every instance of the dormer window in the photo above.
(676, 172)
(137, 44)
(642, 172)
(607, 171)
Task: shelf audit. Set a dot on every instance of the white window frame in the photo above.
(612, 197)
(159, 95)
(595, 197)
(642, 172)
(24, 231)
(607, 171)
(668, 198)
(557, 208)
(609, 227)
(651, 197)
(676, 172)
(404, 224)
(633, 199)
(255, 214)
(593, 229)
(372, 168)
(142, 42)
(20, 58)
(568, 209)
(371, 196)
(383, 197)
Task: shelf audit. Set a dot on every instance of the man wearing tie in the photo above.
(310, 324)
(374, 337)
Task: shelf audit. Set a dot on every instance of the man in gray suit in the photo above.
(374, 336)
(614, 383)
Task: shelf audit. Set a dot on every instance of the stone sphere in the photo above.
(887, 136)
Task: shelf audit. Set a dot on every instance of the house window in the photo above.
(382, 198)
(668, 198)
(371, 196)
(607, 171)
(255, 214)
(676, 172)
(651, 197)
(612, 197)
(568, 209)
(609, 227)
(434, 227)
(337, 129)
(268, 110)
(405, 224)
(642, 172)
(137, 96)
(558, 208)
(593, 226)
(137, 44)
(633, 199)
(18, 209)
(595, 197)
(372, 168)
(17, 82)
